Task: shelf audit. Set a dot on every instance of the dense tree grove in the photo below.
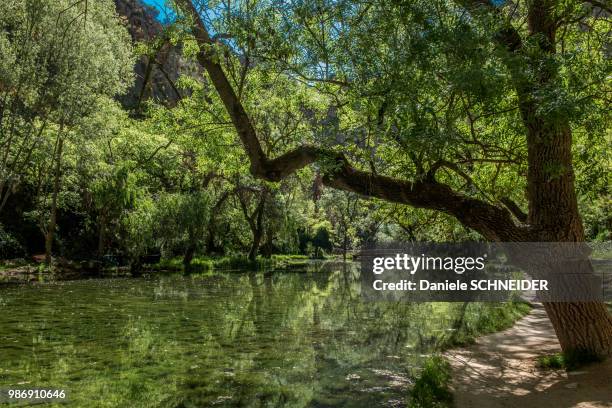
(309, 127)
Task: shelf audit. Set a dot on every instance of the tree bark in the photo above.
(584, 329)
(254, 220)
(101, 236)
(255, 245)
(188, 256)
(53, 215)
(211, 247)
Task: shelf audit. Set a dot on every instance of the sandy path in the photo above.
(499, 371)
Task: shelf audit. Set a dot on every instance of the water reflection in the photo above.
(253, 339)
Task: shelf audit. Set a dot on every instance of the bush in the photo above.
(566, 361)
(9, 246)
(432, 388)
(551, 362)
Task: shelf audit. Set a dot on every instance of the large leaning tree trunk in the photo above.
(581, 327)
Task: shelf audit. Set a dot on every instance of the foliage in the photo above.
(432, 388)
(180, 220)
(477, 319)
(9, 246)
(321, 239)
(57, 59)
(566, 361)
(224, 263)
(551, 362)
(400, 89)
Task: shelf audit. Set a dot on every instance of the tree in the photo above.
(68, 55)
(112, 193)
(343, 211)
(528, 63)
(321, 239)
(255, 217)
(181, 222)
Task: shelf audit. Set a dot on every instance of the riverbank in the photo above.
(23, 270)
(501, 371)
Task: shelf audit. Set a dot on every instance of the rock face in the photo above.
(156, 75)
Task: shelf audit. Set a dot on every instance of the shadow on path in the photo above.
(500, 371)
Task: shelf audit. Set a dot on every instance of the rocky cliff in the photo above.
(156, 74)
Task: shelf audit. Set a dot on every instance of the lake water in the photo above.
(303, 338)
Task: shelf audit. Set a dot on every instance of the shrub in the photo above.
(551, 362)
(566, 361)
(432, 388)
(9, 246)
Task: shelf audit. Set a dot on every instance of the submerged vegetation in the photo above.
(228, 339)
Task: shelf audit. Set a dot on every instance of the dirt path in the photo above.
(499, 371)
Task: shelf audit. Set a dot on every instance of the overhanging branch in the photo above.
(515, 209)
(493, 222)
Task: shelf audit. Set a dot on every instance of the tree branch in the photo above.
(507, 36)
(514, 208)
(493, 222)
(600, 4)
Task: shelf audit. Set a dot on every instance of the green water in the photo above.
(274, 339)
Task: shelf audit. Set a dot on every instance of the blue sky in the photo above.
(165, 12)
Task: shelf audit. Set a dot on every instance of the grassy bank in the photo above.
(22, 270)
(566, 361)
(432, 384)
(205, 263)
(478, 319)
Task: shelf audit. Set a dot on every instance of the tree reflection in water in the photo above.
(273, 338)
